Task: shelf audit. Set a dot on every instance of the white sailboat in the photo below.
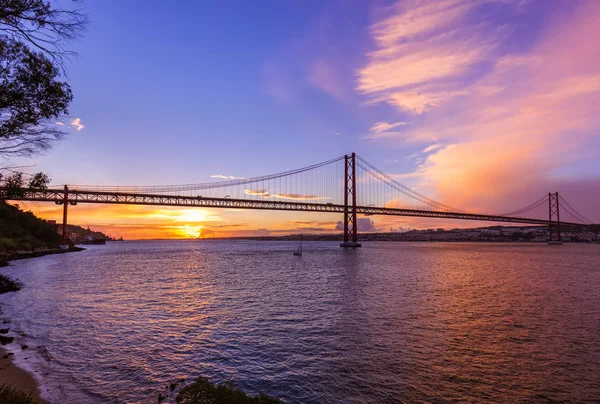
(298, 251)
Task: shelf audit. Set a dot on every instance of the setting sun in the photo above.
(191, 231)
(194, 216)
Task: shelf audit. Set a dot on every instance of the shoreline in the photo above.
(11, 374)
(17, 378)
(6, 259)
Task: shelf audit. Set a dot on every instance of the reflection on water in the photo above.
(388, 322)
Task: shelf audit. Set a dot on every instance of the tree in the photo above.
(32, 56)
(15, 184)
(41, 25)
(31, 99)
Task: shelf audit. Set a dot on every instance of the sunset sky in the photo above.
(481, 104)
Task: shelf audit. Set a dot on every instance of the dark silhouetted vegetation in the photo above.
(202, 391)
(32, 55)
(8, 285)
(23, 231)
(15, 184)
(31, 100)
(13, 396)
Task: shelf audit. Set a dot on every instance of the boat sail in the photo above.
(298, 252)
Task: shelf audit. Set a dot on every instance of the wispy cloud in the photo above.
(60, 123)
(278, 84)
(421, 56)
(76, 123)
(384, 129)
(385, 126)
(316, 223)
(228, 226)
(227, 177)
(432, 147)
(298, 197)
(324, 77)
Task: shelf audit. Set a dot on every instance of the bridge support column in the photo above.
(65, 202)
(553, 219)
(350, 224)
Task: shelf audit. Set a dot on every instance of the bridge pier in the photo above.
(553, 225)
(350, 224)
(64, 243)
(65, 202)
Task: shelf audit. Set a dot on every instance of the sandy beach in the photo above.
(17, 377)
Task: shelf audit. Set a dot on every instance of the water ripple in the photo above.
(389, 322)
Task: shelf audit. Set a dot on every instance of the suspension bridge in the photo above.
(347, 185)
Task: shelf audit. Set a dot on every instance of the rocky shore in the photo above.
(17, 385)
(6, 258)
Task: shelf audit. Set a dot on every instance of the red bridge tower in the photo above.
(350, 224)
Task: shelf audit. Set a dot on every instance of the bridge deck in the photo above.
(82, 196)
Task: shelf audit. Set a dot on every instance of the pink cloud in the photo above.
(324, 77)
(297, 197)
(277, 83)
(431, 148)
(511, 129)
(385, 129)
(424, 47)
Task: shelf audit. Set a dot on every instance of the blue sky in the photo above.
(481, 104)
(188, 88)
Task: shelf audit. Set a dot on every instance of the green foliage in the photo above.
(203, 391)
(13, 396)
(23, 231)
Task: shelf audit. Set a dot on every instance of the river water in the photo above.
(385, 323)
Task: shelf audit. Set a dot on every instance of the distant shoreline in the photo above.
(308, 238)
(493, 234)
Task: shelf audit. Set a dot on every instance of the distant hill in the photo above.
(479, 234)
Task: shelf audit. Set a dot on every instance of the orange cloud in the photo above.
(131, 221)
(151, 222)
